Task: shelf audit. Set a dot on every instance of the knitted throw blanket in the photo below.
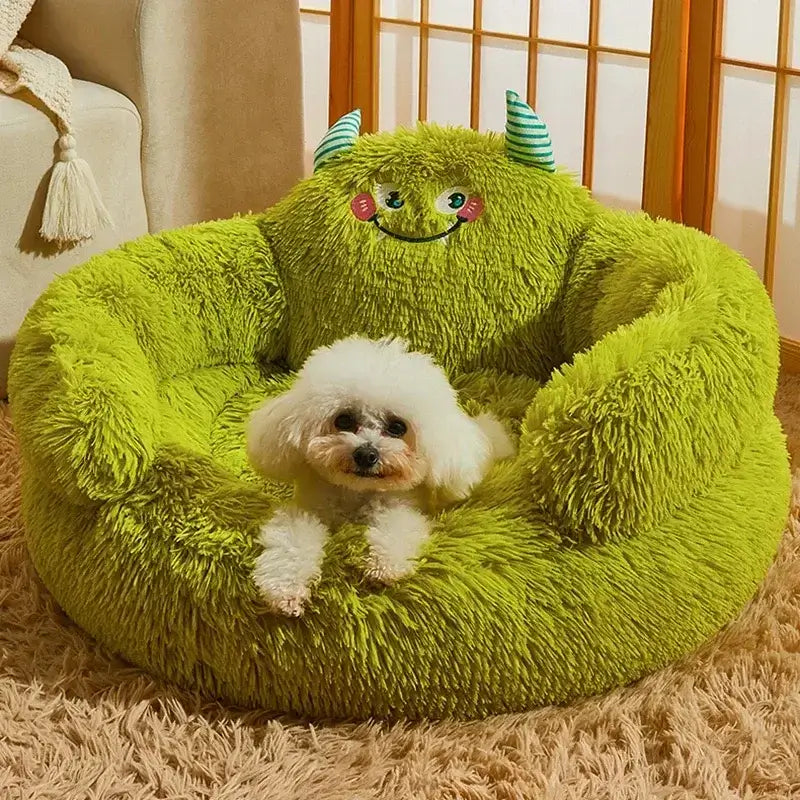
(73, 208)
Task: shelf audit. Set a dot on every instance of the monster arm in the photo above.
(94, 348)
(675, 365)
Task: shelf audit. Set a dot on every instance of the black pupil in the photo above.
(345, 422)
(393, 200)
(396, 427)
(456, 200)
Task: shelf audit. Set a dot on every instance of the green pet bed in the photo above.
(635, 359)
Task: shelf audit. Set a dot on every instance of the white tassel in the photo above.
(74, 209)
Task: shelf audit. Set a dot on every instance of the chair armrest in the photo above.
(677, 366)
(85, 402)
(218, 87)
(92, 352)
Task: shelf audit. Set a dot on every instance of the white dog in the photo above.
(366, 432)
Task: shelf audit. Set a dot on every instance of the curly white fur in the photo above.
(393, 406)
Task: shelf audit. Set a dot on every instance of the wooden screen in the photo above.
(742, 159)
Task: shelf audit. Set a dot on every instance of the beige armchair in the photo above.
(185, 111)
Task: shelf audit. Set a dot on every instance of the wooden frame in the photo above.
(590, 108)
(354, 60)
(423, 59)
(702, 112)
(666, 103)
(533, 52)
(475, 72)
(340, 83)
(778, 145)
(513, 37)
(790, 355)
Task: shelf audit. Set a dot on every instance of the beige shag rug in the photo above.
(77, 724)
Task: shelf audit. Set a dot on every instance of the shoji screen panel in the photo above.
(786, 271)
(315, 28)
(743, 142)
(583, 64)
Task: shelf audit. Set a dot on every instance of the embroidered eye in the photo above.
(456, 200)
(452, 200)
(396, 428)
(389, 197)
(346, 421)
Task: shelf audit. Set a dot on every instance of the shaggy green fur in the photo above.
(636, 359)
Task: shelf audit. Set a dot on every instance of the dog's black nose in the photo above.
(366, 456)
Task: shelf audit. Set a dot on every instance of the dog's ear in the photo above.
(274, 436)
(459, 454)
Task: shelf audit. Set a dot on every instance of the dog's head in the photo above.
(371, 416)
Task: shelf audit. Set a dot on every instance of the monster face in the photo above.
(456, 240)
(455, 202)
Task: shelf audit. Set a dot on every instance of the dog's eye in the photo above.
(346, 422)
(396, 427)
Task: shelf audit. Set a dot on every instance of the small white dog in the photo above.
(366, 432)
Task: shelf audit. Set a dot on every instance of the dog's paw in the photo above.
(376, 570)
(396, 537)
(277, 594)
(287, 606)
(290, 562)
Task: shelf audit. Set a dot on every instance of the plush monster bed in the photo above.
(635, 359)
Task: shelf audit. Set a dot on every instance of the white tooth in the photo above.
(381, 235)
(445, 240)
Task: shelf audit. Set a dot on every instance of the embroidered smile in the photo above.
(452, 229)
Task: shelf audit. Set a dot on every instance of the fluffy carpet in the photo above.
(78, 724)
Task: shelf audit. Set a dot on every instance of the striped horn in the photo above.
(527, 137)
(341, 136)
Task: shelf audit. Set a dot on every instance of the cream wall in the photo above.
(749, 33)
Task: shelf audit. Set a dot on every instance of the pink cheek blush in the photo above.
(363, 206)
(471, 210)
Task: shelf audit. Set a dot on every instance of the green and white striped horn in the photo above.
(341, 136)
(527, 137)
